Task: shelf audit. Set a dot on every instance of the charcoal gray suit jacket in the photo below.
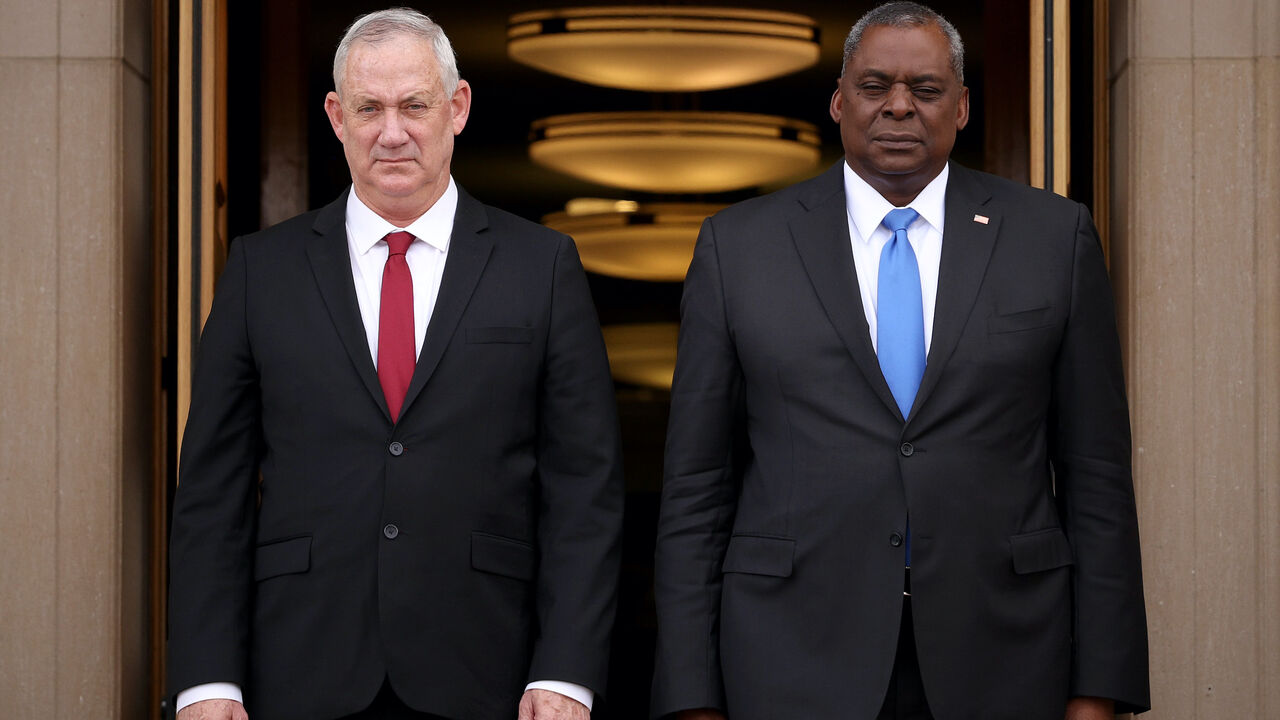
(462, 551)
(790, 471)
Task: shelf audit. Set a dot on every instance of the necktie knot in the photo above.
(399, 242)
(899, 219)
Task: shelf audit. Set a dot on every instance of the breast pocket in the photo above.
(1019, 320)
(500, 335)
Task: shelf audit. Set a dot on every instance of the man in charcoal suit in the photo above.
(898, 476)
(400, 490)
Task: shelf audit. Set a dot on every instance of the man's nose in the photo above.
(393, 129)
(899, 103)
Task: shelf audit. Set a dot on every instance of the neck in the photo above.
(401, 212)
(898, 197)
(898, 189)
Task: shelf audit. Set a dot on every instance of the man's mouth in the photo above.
(894, 141)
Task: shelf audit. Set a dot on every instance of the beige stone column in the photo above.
(1196, 263)
(76, 349)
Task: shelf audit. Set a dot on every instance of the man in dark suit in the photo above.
(400, 490)
(898, 465)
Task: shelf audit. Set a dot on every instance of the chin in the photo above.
(398, 189)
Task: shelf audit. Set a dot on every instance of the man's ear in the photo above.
(837, 98)
(333, 108)
(962, 109)
(461, 105)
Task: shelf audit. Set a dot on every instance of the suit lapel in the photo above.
(966, 249)
(331, 265)
(469, 249)
(821, 236)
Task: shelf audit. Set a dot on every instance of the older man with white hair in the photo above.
(400, 493)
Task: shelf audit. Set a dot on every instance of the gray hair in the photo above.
(905, 15)
(385, 24)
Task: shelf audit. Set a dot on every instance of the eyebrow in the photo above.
(417, 96)
(882, 75)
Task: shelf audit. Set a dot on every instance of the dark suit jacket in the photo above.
(466, 549)
(790, 471)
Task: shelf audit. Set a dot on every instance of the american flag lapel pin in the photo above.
(981, 219)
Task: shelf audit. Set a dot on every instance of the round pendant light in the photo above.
(642, 353)
(677, 151)
(637, 241)
(663, 48)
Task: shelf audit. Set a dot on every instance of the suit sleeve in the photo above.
(701, 478)
(1094, 483)
(581, 490)
(210, 549)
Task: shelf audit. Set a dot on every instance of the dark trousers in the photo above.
(905, 699)
(388, 706)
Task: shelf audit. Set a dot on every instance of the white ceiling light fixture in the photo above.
(675, 151)
(664, 48)
(637, 241)
(642, 353)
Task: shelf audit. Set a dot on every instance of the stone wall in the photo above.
(76, 364)
(1196, 263)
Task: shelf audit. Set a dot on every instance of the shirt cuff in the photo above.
(211, 691)
(582, 694)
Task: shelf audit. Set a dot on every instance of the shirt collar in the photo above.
(867, 207)
(365, 227)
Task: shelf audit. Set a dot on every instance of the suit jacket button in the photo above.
(391, 531)
(907, 449)
(895, 540)
(396, 449)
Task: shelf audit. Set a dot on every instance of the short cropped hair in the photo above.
(905, 15)
(385, 24)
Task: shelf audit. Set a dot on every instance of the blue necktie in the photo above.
(900, 312)
(900, 319)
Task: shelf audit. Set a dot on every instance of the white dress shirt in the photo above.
(366, 244)
(866, 209)
(367, 247)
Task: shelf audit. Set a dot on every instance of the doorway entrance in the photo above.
(247, 144)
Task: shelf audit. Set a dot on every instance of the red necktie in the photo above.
(396, 352)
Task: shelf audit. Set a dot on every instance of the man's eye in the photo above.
(927, 93)
(366, 109)
(873, 89)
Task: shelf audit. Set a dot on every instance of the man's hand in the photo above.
(700, 714)
(548, 705)
(1089, 708)
(213, 710)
